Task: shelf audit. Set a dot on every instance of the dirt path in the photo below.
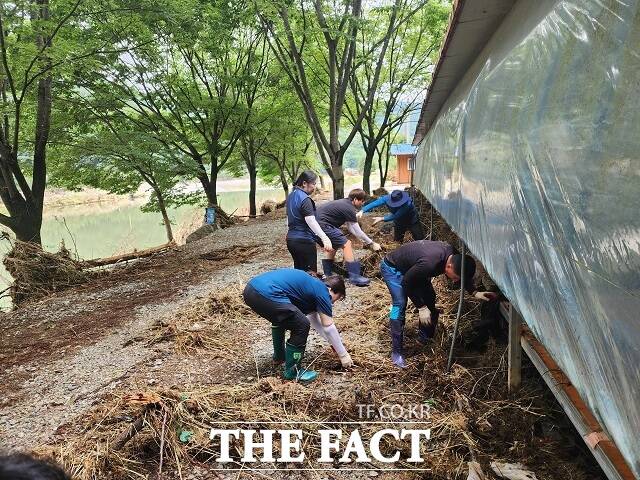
(61, 354)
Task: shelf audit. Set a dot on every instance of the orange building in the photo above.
(405, 161)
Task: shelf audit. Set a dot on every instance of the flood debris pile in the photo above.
(471, 417)
(38, 273)
(475, 424)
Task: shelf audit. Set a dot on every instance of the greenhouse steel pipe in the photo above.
(455, 328)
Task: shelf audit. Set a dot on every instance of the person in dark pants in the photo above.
(331, 216)
(294, 300)
(408, 271)
(403, 214)
(20, 466)
(304, 230)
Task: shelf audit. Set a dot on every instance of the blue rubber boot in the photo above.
(327, 267)
(277, 336)
(292, 365)
(353, 268)
(397, 358)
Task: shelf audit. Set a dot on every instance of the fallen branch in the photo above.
(136, 254)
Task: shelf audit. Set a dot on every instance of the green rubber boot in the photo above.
(277, 335)
(292, 366)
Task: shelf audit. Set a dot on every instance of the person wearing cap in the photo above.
(294, 300)
(304, 231)
(331, 216)
(408, 271)
(403, 214)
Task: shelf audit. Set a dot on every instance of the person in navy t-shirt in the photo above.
(333, 215)
(295, 300)
(304, 230)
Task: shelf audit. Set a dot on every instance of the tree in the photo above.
(42, 48)
(319, 48)
(27, 33)
(110, 157)
(190, 88)
(286, 150)
(403, 79)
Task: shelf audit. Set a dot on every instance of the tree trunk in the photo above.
(366, 174)
(285, 184)
(27, 224)
(338, 177)
(253, 174)
(165, 215)
(209, 187)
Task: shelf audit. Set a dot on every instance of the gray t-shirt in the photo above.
(337, 212)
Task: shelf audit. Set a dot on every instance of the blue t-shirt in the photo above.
(287, 285)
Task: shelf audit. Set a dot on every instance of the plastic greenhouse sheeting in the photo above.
(534, 162)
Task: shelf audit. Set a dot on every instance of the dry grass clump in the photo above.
(202, 325)
(37, 273)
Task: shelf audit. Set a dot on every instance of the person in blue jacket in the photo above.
(294, 300)
(403, 214)
(304, 230)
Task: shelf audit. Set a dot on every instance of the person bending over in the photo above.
(403, 214)
(331, 216)
(408, 271)
(285, 297)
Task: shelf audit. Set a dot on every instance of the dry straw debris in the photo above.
(38, 273)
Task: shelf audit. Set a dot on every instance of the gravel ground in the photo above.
(47, 392)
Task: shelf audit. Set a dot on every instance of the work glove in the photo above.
(485, 296)
(377, 220)
(375, 246)
(424, 316)
(359, 214)
(346, 361)
(326, 244)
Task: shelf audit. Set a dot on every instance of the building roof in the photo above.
(472, 24)
(403, 149)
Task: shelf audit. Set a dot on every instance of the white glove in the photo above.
(346, 361)
(359, 214)
(375, 246)
(485, 296)
(326, 244)
(377, 220)
(424, 316)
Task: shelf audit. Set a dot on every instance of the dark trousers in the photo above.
(284, 315)
(304, 254)
(415, 228)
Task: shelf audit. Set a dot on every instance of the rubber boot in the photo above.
(397, 358)
(327, 267)
(277, 335)
(353, 268)
(292, 366)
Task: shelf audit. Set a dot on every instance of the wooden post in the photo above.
(514, 349)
